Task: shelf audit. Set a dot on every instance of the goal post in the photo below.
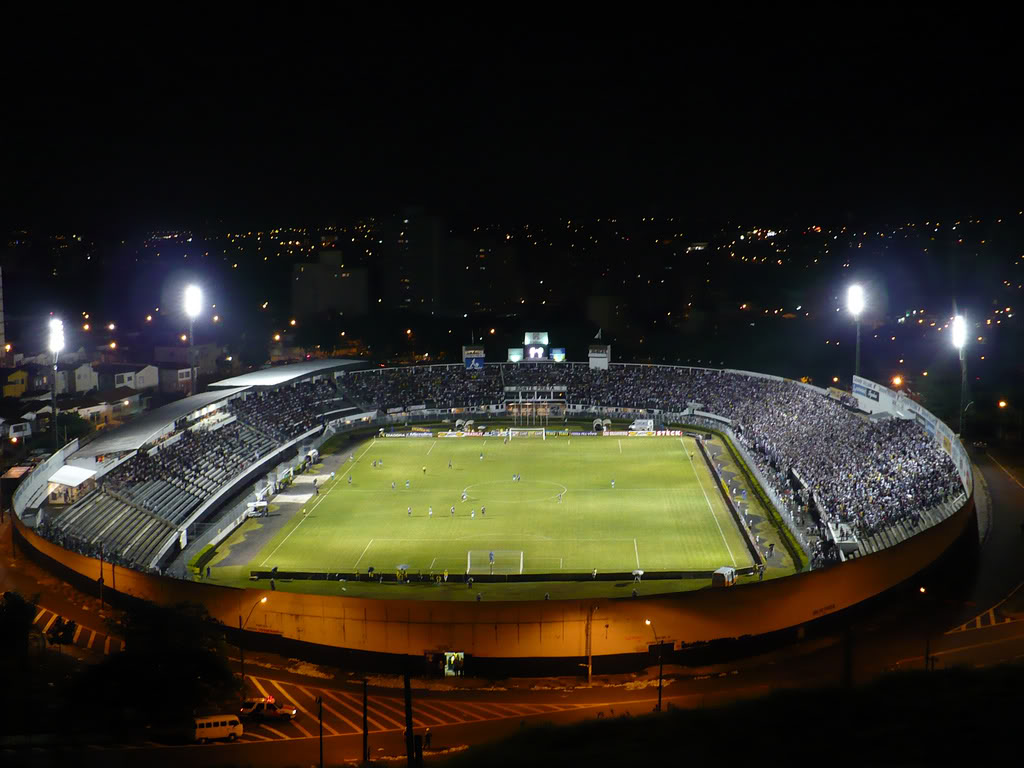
(488, 561)
(538, 432)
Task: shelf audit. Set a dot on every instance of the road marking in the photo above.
(333, 711)
(384, 711)
(275, 731)
(316, 504)
(259, 736)
(361, 556)
(316, 715)
(50, 623)
(710, 508)
(78, 631)
(431, 447)
(106, 646)
(262, 690)
(39, 615)
(637, 553)
(450, 718)
(291, 701)
(1008, 474)
(92, 638)
(370, 721)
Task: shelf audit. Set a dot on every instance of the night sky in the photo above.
(904, 117)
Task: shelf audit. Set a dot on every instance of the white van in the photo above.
(217, 727)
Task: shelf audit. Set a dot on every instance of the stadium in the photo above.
(507, 511)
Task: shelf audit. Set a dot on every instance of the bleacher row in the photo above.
(904, 529)
(140, 504)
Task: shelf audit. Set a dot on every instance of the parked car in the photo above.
(265, 708)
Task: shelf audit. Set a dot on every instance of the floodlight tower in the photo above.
(56, 345)
(960, 342)
(855, 303)
(193, 306)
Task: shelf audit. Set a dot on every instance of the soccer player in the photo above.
(408, 511)
(430, 512)
(449, 463)
(463, 495)
(613, 482)
(392, 485)
(481, 455)
(453, 515)
(406, 483)
(374, 464)
(559, 498)
(483, 510)
(472, 514)
(350, 479)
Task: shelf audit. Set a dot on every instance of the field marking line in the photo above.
(620, 446)
(364, 552)
(710, 508)
(520, 562)
(317, 504)
(431, 447)
(468, 560)
(431, 566)
(637, 553)
(560, 564)
(1008, 473)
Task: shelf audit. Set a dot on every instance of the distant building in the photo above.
(85, 379)
(174, 379)
(132, 375)
(206, 356)
(15, 381)
(107, 407)
(330, 285)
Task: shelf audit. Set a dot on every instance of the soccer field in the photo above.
(563, 515)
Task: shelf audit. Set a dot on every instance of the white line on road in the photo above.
(39, 615)
(92, 638)
(78, 631)
(329, 711)
(276, 732)
(50, 623)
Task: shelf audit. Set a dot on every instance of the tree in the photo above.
(16, 615)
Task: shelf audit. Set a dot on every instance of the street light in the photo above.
(193, 306)
(960, 342)
(661, 668)
(56, 345)
(241, 629)
(855, 304)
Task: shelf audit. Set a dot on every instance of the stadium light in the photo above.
(855, 304)
(960, 343)
(1003, 403)
(193, 306)
(56, 345)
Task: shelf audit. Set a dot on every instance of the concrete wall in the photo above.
(554, 629)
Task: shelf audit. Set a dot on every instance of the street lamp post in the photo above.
(855, 303)
(241, 629)
(661, 667)
(193, 306)
(56, 345)
(590, 642)
(960, 342)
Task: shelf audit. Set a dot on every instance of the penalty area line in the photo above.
(363, 553)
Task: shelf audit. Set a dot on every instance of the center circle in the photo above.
(514, 492)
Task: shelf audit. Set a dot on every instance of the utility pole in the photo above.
(409, 743)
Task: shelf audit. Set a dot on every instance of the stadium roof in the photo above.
(148, 426)
(284, 374)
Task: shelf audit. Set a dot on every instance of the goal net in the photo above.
(494, 561)
(539, 432)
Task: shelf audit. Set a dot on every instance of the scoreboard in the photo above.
(536, 348)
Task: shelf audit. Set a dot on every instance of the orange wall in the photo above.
(544, 628)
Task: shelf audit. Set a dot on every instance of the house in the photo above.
(15, 381)
(175, 380)
(39, 375)
(206, 356)
(85, 379)
(104, 407)
(136, 376)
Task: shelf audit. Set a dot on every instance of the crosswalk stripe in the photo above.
(312, 711)
(78, 631)
(336, 713)
(448, 717)
(390, 706)
(288, 698)
(50, 623)
(370, 718)
(490, 709)
(275, 731)
(259, 736)
(106, 646)
(262, 690)
(39, 615)
(92, 638)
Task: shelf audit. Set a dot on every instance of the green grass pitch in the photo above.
(664, 512)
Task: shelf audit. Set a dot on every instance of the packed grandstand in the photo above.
(871, 474)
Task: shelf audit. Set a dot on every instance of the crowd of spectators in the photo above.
(866, 473)
(286, 413)
(51, 530)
